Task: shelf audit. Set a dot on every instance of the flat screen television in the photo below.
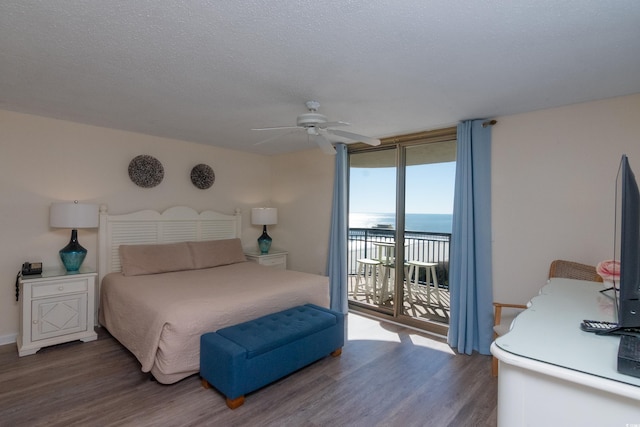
(627, 250)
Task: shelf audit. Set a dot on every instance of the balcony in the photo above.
(419, 246)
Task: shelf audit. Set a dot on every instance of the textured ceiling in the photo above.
(209, 71)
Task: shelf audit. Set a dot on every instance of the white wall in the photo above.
(303, 191)
(553, 178)
(44, 160)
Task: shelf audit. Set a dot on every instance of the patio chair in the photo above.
(367, 278)
(413, 279)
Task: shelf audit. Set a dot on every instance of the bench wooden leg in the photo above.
(231, 403)
(337, 352)
(234, 403)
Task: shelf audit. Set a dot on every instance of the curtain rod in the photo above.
(489, 123)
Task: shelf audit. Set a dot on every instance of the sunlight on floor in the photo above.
(366, 328)
(435, 344)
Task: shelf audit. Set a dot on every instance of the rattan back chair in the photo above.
(573, 270)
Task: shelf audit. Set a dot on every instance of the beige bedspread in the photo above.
(160, 317)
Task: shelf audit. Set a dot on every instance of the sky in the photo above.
(429, 189)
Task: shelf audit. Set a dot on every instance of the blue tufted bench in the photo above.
(242, 358)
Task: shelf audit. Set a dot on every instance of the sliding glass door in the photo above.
(372, 225)
(400, 210)
(428, 211)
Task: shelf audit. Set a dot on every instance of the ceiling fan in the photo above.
(318, 127)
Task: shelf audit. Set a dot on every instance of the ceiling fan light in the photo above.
(312, 105)
(310, 119)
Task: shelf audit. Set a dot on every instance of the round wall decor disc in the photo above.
(146, 171)
(202, 176)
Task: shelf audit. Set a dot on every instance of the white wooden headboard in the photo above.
(177, 224)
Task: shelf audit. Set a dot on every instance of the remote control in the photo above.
(597, 326)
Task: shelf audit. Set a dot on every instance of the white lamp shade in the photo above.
(264, 216)
(73, 215)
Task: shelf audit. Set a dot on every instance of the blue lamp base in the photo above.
(264, 241)
(73, 254)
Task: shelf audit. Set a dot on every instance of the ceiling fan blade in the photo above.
(332, 124)
(276, 137)
(355, 136)
(279, 127)
(324, 144)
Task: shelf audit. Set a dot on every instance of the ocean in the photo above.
(435, 223)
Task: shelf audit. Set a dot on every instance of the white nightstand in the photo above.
(276, 258)
(56, 307)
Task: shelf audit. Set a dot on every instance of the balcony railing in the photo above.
(419, 245)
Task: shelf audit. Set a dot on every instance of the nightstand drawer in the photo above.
(59, 288)
(276, 258)
(270, 262)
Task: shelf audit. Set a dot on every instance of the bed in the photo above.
(167, 278)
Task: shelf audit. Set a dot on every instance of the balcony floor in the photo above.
(419, 308)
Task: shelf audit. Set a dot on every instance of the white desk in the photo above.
(551, 373)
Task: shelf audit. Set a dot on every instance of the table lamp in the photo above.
(264, 217)
(73, 215)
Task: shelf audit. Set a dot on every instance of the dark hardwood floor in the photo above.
(387, 376)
